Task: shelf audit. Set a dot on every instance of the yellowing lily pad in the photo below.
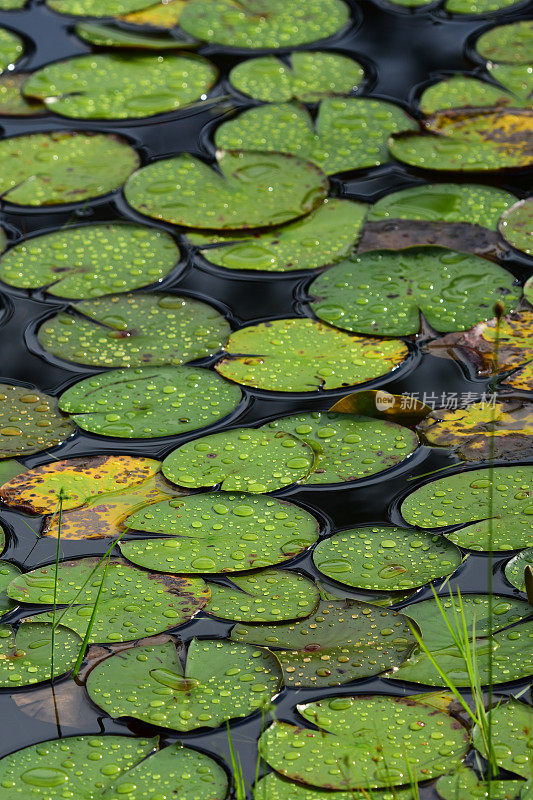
(159, 15)
(515, 568)
(221, 681)
(512, 740)
(11, 48)
(508, 44)
(91, 260)
(147, 402)
(464, 784)
(460, 91)
(464, 499)
(219, 532)
(30, 421)
(245, 190)
(301, 355)
(63, 167)
(26, 654)
(516, 226)
(129, 330)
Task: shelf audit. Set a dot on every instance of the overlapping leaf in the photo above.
(12, 101)
(160, 15)
(113, 36)
(11, 48)
(512, 739)
(516, 226)
(30, 421)
(26, 653)
(514, 569)
(464, 784)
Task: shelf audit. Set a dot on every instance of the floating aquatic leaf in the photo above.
(357, 744)
(477, 6)
(91, 260)
(11, 48)
(509, 44)
(8, 572)
(8, 469)
(343, 640)
(128, 330)
(528, 290)
(221, 681)
(322, 237)
(474, 140)
(482, 431)
(512, 726)
(219, 532)
(263, 23)
(241, 460)
(268, 595)
(113, 36)
(133, 603)
(464, 784)
(348, 133)
(97, 8)
(379, 404)
(384, 293)
(160, 15)
(115, 86)
(516, 226)
(76, 480)
(12, 101)
(464, 498)
(30, 421)
(385, 558)
(274, 787)
(248, 190)
(306, 76)
(517, 79)
(515, 568)
(301, 355)
(348, 447)
(26, 655)
(148, 402)
(461, 91)
(11, 5)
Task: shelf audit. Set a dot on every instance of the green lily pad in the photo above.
(11, 48)
(357, 744)
(26, 655)
(12, 101)
(384, 292)
(241, 460)
(476, 140)
(460, 91)
(348, 133)
(221, 681)
(8, 572)
(348, 447)
(129, 330)
(508, 44)
(343, 640)
(464, 498)
(8, 469)
(385, 558)
(268, 595)
(322, 237)
(512, 726)
(478, 6)
(274, 787)
(301, 355)
(128, 404)
(12, 5)
(96, 8)
(517, 79)
(91, 260)
(63, 167)
(133, 603)
(464, 784)
(516, 226)
(30, 421)
(115, 86)
(113, 36)
(219, 532)
(258, 24)
(514, 569)
(249, 190)
(306, 77)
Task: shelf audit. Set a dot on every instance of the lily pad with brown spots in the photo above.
(461, 91)
(508, 44)
(516, 225)
(30, 421)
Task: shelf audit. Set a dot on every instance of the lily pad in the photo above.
(460, 91)
(512, 726)
(301, 355)
(347, 133)
(478, 6)
(482, 431)
(464, 498)
(12, 101)
(8, 572)
(514, 569)
(241, 460)
(268, 595)
(304, 76)
(219, 532)
(356, 746)
(385, 293)
(133, 603)
(528, 290)
(221, 681)
(348, 447)
(26, 655)
(11, 48)
(77, 480)
(9, 467)
(385, 558)
(115, 86)
(97, 8)
(245, 190)
(508, 44)
(468, 140)
(109, 766)
(464, 784)
(30, 421)
(379, 404)
(128, 330)
(12, 5)
(113, 36)
(322, 237)
(148, 402)
(91, 260)
(257, 24)
(161, 14)
(516, 226)
(63, 167)
(517, 79)
(343, 640)
(274, 787)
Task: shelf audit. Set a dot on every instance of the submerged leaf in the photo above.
(512, 736)
(464, 784)
(11, 47)
(30, 421)
(221, 681)
(516, 226)
(274, 787)
(379, 404)
(509, 43)
(515, 568)
(26, 655)
(91, 260)
(301, 355)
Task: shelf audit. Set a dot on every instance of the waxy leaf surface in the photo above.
(274, 787)
(516, 225)
(26, 655)
(512, 726)
(30, 421)
(514, 569)
(464, 784)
